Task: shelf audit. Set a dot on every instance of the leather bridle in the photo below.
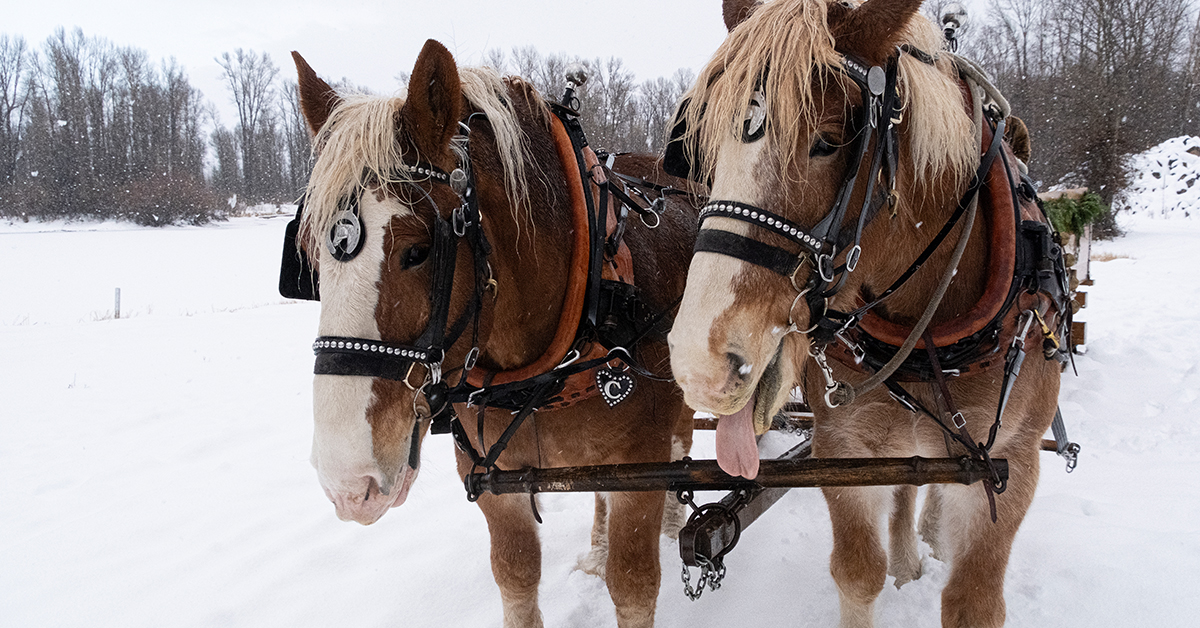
(876, 123)
(338, 355)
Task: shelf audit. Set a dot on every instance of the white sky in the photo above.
(370, 41)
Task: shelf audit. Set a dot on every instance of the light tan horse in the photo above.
(390, 154)
(770, 123)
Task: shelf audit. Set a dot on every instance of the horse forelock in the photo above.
(786, 50)
(357, 147)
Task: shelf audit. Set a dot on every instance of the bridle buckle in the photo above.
(825, 267)
(458, 219)
(852, 258)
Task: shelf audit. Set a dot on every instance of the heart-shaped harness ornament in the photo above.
(614, 385)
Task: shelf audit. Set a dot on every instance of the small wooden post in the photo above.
(117, 304)
(1083, 265)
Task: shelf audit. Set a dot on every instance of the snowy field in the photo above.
(154, 469)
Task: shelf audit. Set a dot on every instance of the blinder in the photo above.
(675, 155)
(297, 277)
(348, 233)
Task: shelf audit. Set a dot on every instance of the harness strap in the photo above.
(762, 218)
(844, 393)
(977, 181)
(1068, 450)
(947, 401)
(749, 250)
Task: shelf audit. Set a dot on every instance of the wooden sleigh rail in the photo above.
(705, 475)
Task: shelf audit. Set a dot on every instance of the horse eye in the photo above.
(755, 125)
(415, 256)
(821, 148)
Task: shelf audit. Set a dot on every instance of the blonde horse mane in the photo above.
(792, 38)
(356, 149)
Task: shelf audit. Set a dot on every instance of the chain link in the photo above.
(711, 575)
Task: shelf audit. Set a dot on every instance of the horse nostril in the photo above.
(373, 487)
(737, 365)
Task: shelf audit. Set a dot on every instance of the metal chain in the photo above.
(711, 575)
(712, 569)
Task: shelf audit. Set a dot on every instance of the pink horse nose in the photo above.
(364, 506)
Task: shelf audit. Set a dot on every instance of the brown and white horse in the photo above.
(770, 124)
(369, 429)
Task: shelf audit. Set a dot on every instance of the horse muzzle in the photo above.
(368, 504)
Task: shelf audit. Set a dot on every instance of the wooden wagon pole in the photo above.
(705, 475)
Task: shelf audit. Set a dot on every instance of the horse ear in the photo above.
(1017, 136)
(434, 104)
(872, 30)
(736, 11)
(317, 98)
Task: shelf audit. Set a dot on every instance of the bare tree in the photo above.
(494, 58)
(14, 94)
(296, 142)
(657, 99)
(527, 62)
(1189, 106)
(226, 175)
(251, 79)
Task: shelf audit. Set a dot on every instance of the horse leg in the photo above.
(634, 523)
(979, 549)
(903, 562)
(931, 521)
(516, 557)
(858, 562)
(674, 513)
(595, 560)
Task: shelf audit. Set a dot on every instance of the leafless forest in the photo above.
(90, 128)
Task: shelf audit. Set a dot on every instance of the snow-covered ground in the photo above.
(154, 469)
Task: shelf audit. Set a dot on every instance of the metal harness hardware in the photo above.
(714, 531)
(615, 318)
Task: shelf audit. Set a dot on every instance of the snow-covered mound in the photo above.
(1163, 182)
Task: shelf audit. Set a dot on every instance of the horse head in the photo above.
(377, 193)
(774, 123)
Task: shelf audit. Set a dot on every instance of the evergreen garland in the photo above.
(1071, 215)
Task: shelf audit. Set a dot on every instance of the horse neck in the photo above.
(891, 245)
(530, 257)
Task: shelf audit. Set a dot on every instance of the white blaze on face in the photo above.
(703, 355)
(701, 372)
(342, 447)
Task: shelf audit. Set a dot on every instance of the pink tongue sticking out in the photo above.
(737, 452)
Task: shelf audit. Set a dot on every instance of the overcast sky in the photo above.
(370, 41)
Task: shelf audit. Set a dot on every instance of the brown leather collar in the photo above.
(1001, 230)
(581, 385)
